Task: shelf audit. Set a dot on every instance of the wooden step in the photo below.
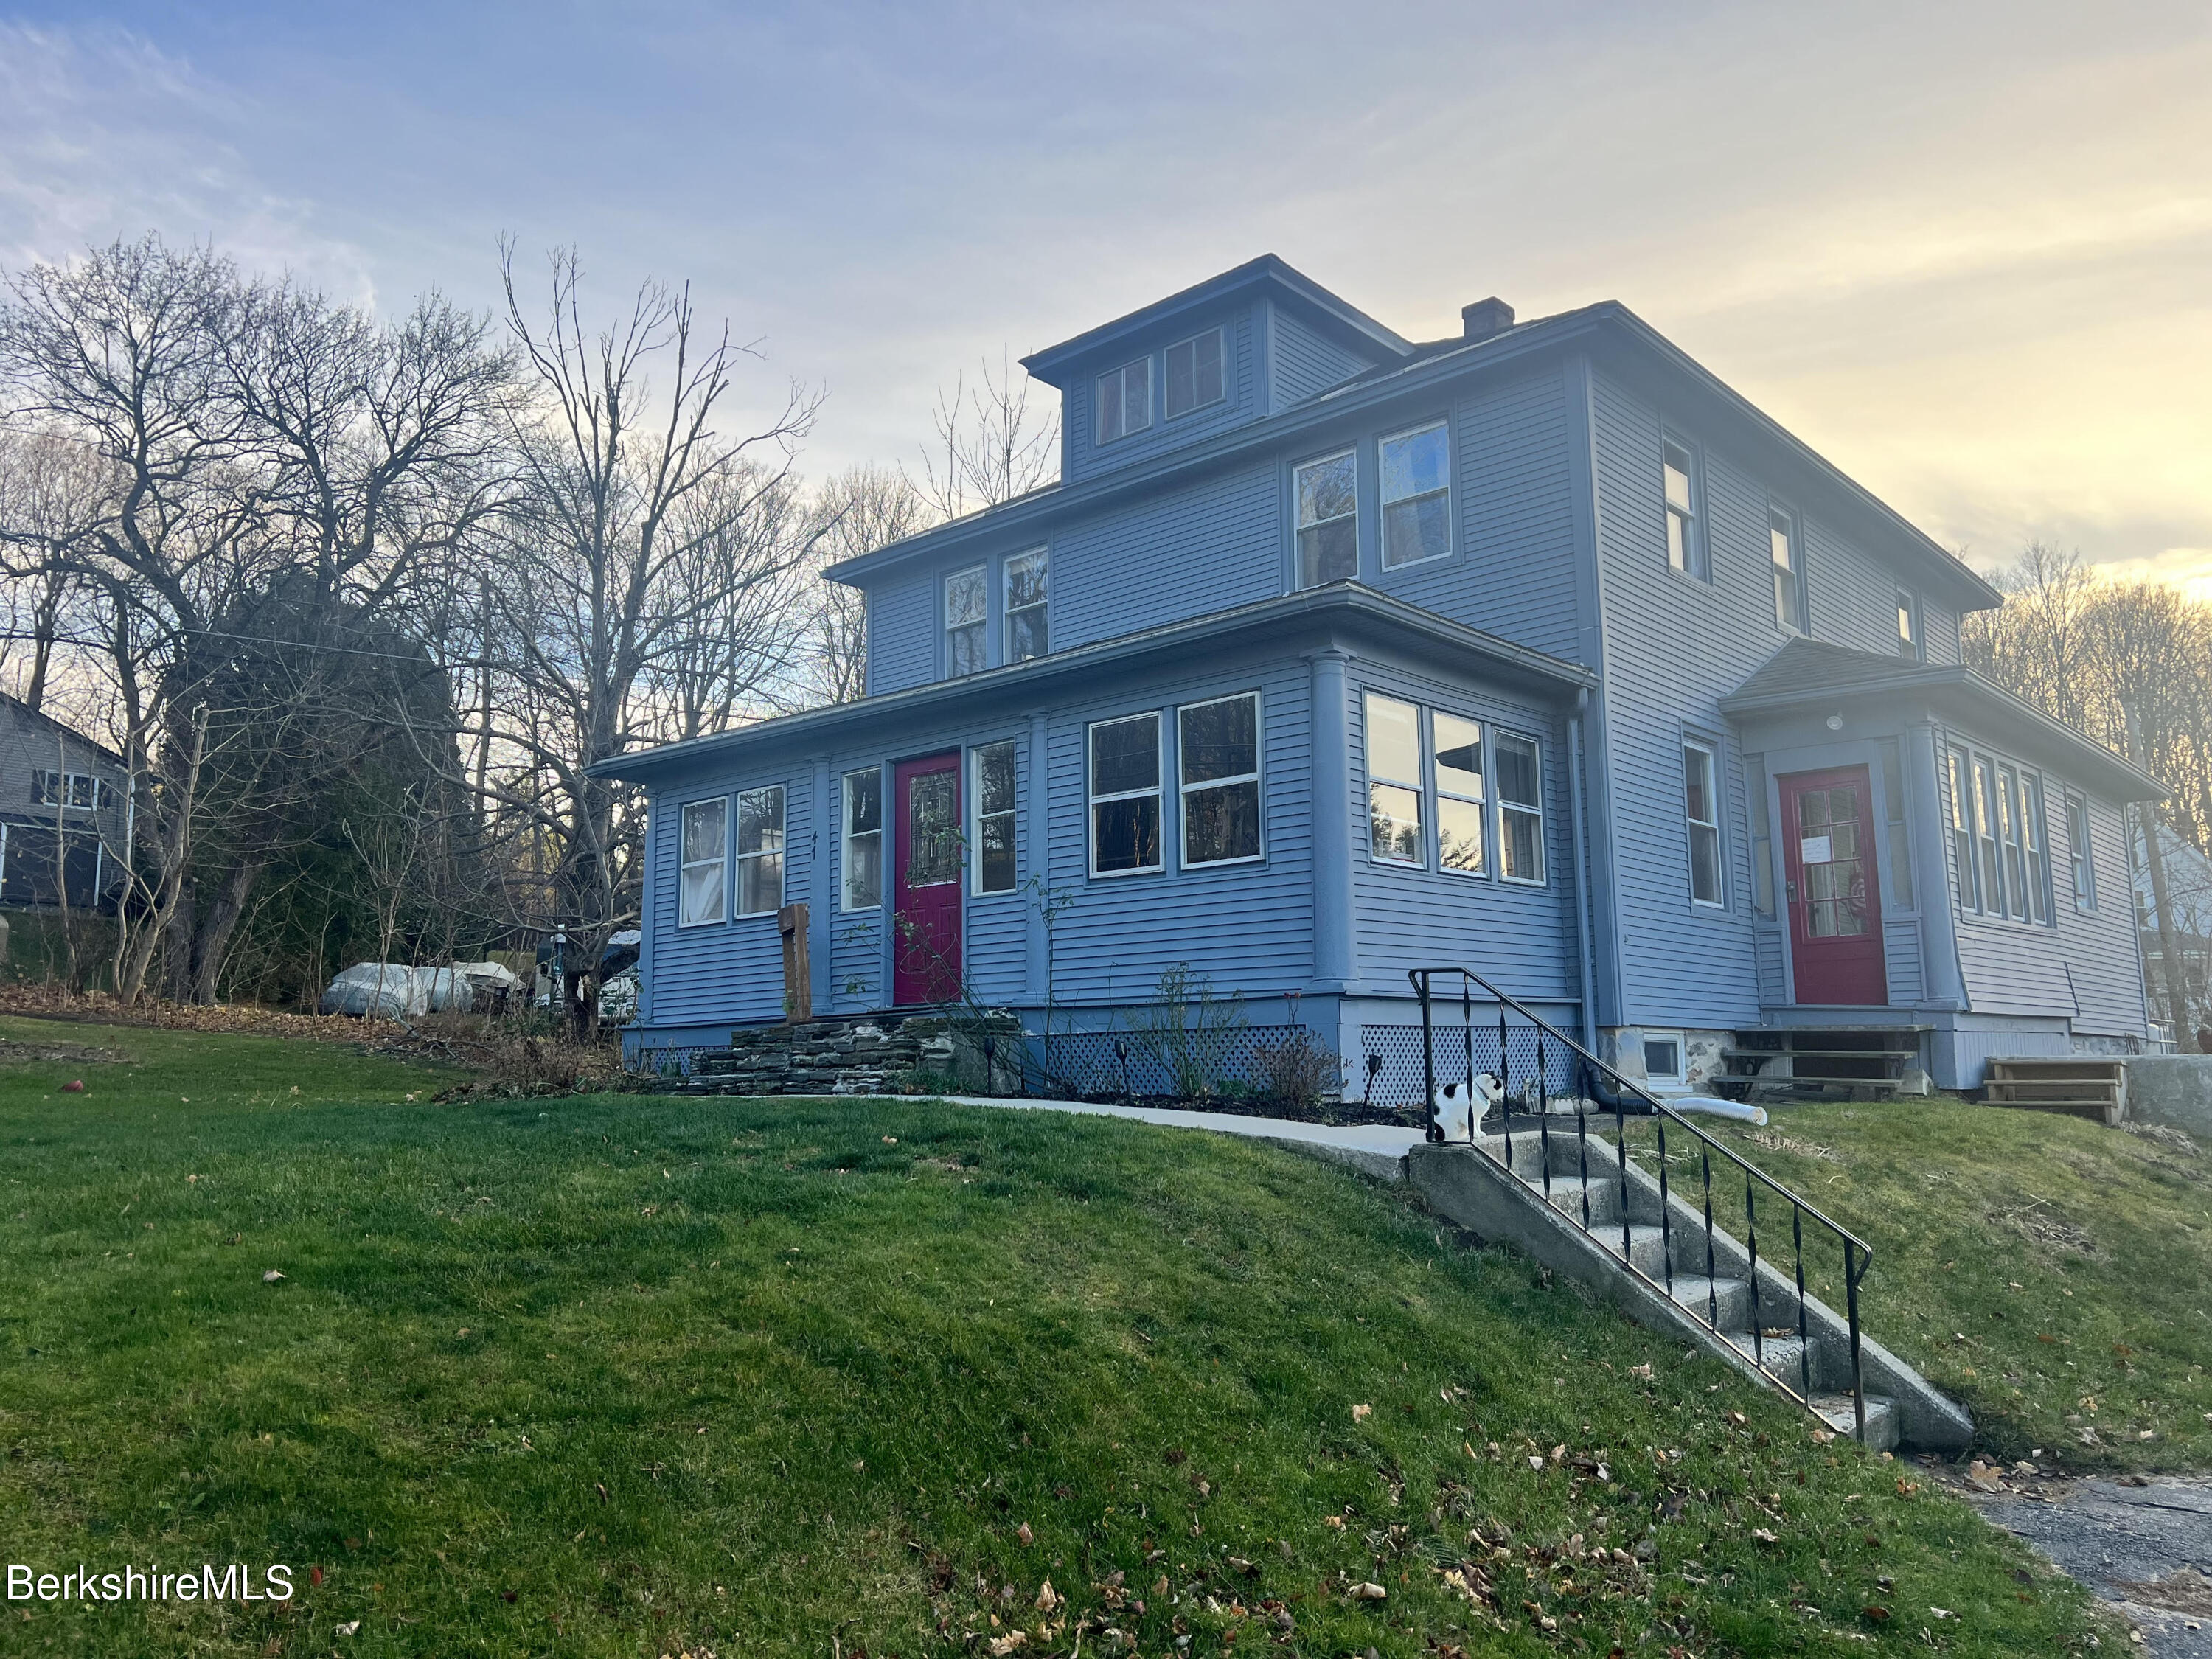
(2012, 1092)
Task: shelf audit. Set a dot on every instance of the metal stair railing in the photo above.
(1625, 1098)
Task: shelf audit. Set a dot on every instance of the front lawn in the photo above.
(623, 1375)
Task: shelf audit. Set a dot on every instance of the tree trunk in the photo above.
(216, 923)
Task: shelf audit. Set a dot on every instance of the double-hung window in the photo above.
(1785, 548)
(1329, 519)
(1520, 806)
(1678, 471)
(863, 859)
(967, 605)
(760, 851)
(2014, 850)
(1125, 400)
(1701, 810)
(1962, 831)
(1462, 811)
(1124, 795)
(994, 818)
(1908, 625)
(1217, 757)
(1991, 868)
(2077, 853)
(703, 881)
(2031, 841)
(1394, 781)
(1026, 635)
(1195, 378)
(1416, 496)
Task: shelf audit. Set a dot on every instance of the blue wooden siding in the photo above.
(1079, 404)
(1215, 542)
(903, 628)
(1306, 363)
(1521, 937)
(1512, 565)
(732, 970)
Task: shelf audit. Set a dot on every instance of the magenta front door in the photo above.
(925, 881)
(1835, 904)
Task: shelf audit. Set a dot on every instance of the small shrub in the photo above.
(1299, 1070)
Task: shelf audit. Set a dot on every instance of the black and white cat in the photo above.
(1454, 1110)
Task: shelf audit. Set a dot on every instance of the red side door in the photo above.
(1835, 903)
(925, 881)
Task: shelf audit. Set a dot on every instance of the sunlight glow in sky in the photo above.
(1964, 250)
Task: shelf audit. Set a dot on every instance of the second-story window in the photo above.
(1025, 606)
(1701, 810)
(77, 792)
(1908, 625)
(994, 818)
(967, 603)
(1329, 519)
(1194, 374)
(1125, 400)
(1416, 496)
(1784, 542)
(1679, 472)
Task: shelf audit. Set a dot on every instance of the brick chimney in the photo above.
(1485, 318)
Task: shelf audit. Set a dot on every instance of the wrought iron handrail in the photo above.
(1858, 1254)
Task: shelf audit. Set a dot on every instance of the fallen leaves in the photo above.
(346, 1630)
(272, 1276)
(1023, 1532)
(1367, 1592)
(1361, 1413)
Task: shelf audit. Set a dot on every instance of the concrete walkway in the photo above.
(1373, 1149)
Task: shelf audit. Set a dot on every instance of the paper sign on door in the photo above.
(1815, 849)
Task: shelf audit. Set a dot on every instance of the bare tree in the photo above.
(858, 510)
(992, 445)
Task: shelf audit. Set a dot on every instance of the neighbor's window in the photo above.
(1461, 810)
(967, 602)
(1989, 867)
(1195, 376)
(1662, 1060)
(1520, 806)
(1680, 473)
(1217, 752)
(1394, 781)
(863, 861)
(760, 851)
(1962, 831)
(994, 818)
(1701, 808)
(1125, 400)
(2077, 853)
(1124, 795)
(705, 863)
(1328, 508)
(1416, 496)
(1900, 847)
(74, 791)
(1025, 606)
(1782, 540)
(1908, 625)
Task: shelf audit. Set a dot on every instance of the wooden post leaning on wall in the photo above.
(798, 973)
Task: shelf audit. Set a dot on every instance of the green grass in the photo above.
(2053, 1275)
(622, 1374)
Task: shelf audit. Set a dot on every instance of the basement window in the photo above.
(1663, 1059)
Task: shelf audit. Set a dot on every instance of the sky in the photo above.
(1963, 250)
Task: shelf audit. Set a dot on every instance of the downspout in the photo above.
(1583, 966)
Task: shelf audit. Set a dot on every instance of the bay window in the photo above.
(1520, 808)
(1218, 757)
(1462, 813)
(1394, 781)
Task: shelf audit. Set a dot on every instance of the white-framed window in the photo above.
(1462, 804)
(1679, 474)
(1416, 469)
(1026, 632)
(994, 818)
(703, 878)
(2012, 845)
(1327, 492)
(1701, 813)
(73, 791)
(1197, 377)
(1218, 769)
(1908, 625)
(1125, 400)
(1786, 551)
(760, 851)
(862, 860)
(1989, 866)
(1663, 1057)
(1394, 834)
(1962, 831)
(1124, 759)
(967, 607)
(2079, 865)
(2031, 835)
(1520, 765)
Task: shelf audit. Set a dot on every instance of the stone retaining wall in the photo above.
(2171, 1088)
(869, 1055)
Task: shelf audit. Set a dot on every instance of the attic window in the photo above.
(1194, 374)
(1125, 400)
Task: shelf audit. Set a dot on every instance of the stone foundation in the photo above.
(871, 1055)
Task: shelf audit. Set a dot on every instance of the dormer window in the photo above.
(1125, 400)
(1194, 374)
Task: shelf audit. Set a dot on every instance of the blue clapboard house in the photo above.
(1334, 653)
